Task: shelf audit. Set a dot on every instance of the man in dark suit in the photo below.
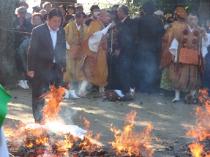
(150, 31)
(125, 48)
(46, 59)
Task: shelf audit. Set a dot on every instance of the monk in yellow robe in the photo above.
(95, 67)
(74, 31)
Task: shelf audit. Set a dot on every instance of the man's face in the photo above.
(70, 11)
(43, 12)
(192, 20)
(22, 14)
(120, 14)
(54, 22)
(36, 20)
(48, 7)
(79, 9)
(105, 17)
(96, 13)
(80, 20)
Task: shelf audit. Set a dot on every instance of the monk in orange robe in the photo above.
(182, 55)
(95, 67)
(74, 31)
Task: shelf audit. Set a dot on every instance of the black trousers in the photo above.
(40, 85)
(113, 75)
(147, 72)
(125, 72)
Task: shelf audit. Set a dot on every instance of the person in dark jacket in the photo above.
(46, 59)
(22, 31)
(125, 49)
(150, 31)
(22, 52)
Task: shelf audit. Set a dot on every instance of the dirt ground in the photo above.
(170, 120)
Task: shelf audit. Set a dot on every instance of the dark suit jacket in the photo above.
(150, 32)
(41, 52)
(125, 37)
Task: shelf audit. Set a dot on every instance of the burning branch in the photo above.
(130, 142)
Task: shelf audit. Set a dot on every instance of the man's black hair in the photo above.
(149, 7)
(93, 7)
(70, 7)
(55, 12)
(79, 14)
(124, 9)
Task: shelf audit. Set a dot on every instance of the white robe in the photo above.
(3, 145)
(95, 39)
(206, 43)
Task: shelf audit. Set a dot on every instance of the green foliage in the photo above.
(165, 5)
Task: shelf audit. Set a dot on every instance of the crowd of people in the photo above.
(111, 52)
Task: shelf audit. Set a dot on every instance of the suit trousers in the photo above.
(125, 73)
(40, 85)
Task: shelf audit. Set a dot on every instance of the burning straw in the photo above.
(201, 130)
(127, 141)
(53, 138)
(53, 99)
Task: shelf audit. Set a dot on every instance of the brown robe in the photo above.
(184, 77)
(95, 64)
(74, 38)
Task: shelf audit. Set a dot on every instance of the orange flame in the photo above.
(33, 135)
(53, 99)
(41, 140)
(196, 149)
(90, 142)
(130, 142)
(201, 130)
(86, 123)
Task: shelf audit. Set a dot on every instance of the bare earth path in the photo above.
(170, 120)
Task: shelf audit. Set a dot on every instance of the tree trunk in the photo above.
(7, 50)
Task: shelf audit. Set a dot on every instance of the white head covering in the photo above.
(159, 13)
(20, 9)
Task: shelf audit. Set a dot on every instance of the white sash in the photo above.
(95, 39)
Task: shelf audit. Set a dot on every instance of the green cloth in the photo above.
(165, 81)
(4, 99)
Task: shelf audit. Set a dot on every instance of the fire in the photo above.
(53, 99)
(90, 142)
(196, 149)
(86, 123)
(130, 142)
(43, 141)
(52, 138)
(201, 131)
